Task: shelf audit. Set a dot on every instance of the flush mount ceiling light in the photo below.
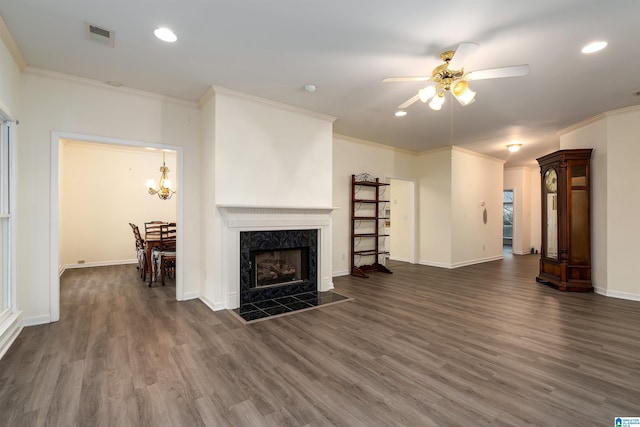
(400, 113)
(310, 88)
(165, 34)
(514, 147)
(451, 77)
(594, 47)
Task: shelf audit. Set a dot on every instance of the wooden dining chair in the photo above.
(140, 251)
(152, 230)
(164, 255)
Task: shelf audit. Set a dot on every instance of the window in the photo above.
(507, 216)
(5, 221)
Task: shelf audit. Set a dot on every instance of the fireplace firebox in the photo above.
(271, 268)
(277, 263)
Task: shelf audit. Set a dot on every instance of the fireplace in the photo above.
(277, 263)
(271, 268)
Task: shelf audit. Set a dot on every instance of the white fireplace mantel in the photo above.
(238, 218)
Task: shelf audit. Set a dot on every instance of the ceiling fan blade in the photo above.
(409, 101)
(407, 79)
(498, 73)
(463, 53)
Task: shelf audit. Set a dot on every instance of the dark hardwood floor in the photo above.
(479, 345)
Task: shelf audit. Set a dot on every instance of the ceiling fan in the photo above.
(451, 77)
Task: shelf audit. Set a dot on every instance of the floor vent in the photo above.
(99, 34)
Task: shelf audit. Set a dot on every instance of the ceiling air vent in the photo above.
(99, 35)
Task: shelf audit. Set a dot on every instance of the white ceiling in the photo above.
(271, 49)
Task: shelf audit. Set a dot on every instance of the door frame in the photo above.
(412, 218)
(54, 250)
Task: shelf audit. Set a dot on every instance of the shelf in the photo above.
(370, 218)
(372, 229)
(370, 252)
(370, 183)
(369, 201)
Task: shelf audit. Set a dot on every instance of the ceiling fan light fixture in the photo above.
(460, 88)
(426, 93)
(468, 97)
(514, 147)
(437, 101)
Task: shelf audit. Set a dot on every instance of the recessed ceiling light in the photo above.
(594, 47)
(401, 113)
(165, 34)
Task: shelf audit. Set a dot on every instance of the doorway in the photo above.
(57, 140)
(401, 223)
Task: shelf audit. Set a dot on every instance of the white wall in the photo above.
(434, 207)
(519, 180)
(476, 187)
(593, 134)
(353, 157)
(399, 204)
(209, 218)
(268, 155)
(623, 204)
(93, 179)
(54, 102)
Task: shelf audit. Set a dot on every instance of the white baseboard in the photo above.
(617, 294)
(341, 273)
(400, 259)
(213, 306)
(61, 270)
(461, 264)
(190, 295)
(37, 320)
(9, 331)
(101, 263)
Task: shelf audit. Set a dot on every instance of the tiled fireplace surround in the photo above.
(237, 219)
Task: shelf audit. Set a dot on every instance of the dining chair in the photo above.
(140, 251)
(164, 255)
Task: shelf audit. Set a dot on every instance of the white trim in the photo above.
(100, 264)
(413, 221)
(213, 306)
(41, 72)
(9, 331)
(341, 273)
(617, 294)
(217, 90)
(461, 264)
(392, 258)
(54, 276)
(190, 295)
(37, 320)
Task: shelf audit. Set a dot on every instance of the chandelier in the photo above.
(164, 191)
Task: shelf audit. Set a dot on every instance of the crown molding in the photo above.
(12, 47)
(42, 72)
(217, 90)
(601, 116)
(374, 144)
